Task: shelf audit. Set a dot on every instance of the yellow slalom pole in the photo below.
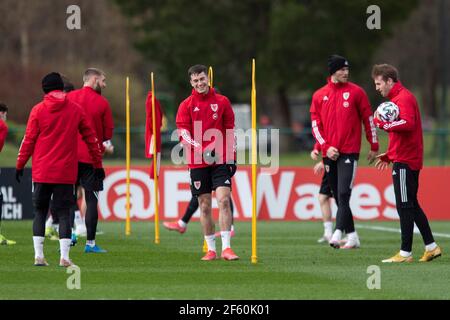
(127, 111)
(155, 164)
(254, 163)
(211, 83)
(211, 77)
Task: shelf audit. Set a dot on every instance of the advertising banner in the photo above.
(291, 194)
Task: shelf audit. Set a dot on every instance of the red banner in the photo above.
(291, 194)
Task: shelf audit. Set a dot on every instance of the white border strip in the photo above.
(443, 235)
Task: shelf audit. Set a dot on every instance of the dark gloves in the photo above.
(99, 174)
(19, 174)
(232, 167)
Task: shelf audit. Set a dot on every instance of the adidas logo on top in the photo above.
(227, 181)
(394, 173)
(348, 161)
(196, 109)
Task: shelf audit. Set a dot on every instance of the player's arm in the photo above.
(369, 126)
(184, 126)
(90, 138)
(108, 123)
(316, 151)
(29, 140)
(317, 130)
(228, 121)
(406, 119)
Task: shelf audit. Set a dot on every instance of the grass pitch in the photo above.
(291, 265)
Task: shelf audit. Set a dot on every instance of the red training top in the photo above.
(337, 110)
(206, 122)
(405, 134)
(51, 139)
(99, 115)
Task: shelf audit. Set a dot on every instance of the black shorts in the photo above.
(325, 186)
(87, 179)
(406, 185)
(207, 179)
(62, 195)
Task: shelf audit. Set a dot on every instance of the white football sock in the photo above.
(90, 243)
(431, 246)
(328, 228)
(78, 219)
(232, 227)
(211, 242)
(352, 236)
(64, 245)
(405, 254)
(38, 243)
(226, 237)
(182, 224)
(337, 236)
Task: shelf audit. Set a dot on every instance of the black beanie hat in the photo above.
(336, 62)
(52, 81)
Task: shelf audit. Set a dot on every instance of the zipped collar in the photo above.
(337, 85)
(202, 96)
(395, 90)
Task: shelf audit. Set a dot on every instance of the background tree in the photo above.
(291, 41)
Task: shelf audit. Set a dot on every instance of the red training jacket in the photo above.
(99, 114)
(337, 110)
(3, 133)
(196, 115)
(51, 139)
(149, 141)
(405, 134)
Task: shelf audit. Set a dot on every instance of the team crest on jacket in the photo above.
(327, 168)
(346, 95)
(214, 107)
(197, 184)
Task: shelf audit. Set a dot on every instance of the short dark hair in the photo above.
(386, 71)
(198, 68)
(3, 107)
(92, 72)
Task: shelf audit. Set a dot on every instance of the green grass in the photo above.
(291, 265)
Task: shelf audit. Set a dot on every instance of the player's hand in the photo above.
(371, 156)
(318, 168)
(315, 154)
(332, 153)
(19, 174)
(382, 162)
(109, 148)
(381, 165)
(375, 115)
